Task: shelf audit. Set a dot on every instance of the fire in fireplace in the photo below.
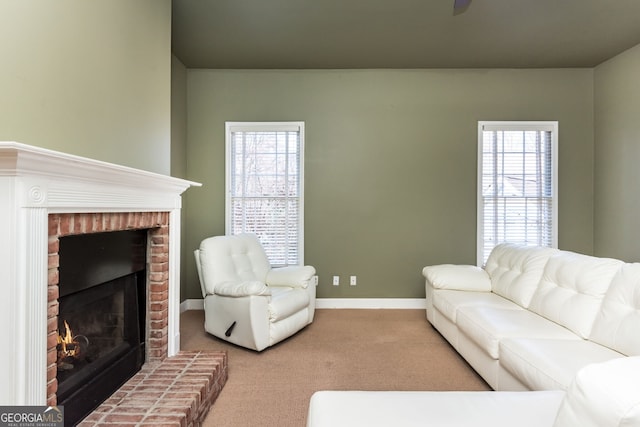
(102, 317)
(71, 348)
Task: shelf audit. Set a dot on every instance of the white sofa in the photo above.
(601, 395)
(533, 317)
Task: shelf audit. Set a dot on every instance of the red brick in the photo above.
(162, 286)
(54, 244)
(128, 418)
(52, 277)
(65, 225)
(157, 315)
(52, 309)
(52, 386)
(97, 222)
(93, 417)
(52, 339)
(52, 292)
(52, 324)
(52, 356)
(53, 223)
(53, 261)
(159, 266)
(159, 277)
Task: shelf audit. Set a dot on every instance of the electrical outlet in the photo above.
(314, 280)
(336, 280)
(353, 280)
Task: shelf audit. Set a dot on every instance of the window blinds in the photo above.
(517, 194)
(265, 187)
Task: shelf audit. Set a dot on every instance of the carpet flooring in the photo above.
(341, 350)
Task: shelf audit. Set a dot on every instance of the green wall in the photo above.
(90, 78)
(178, 118)
(390, 162)
(617, 155)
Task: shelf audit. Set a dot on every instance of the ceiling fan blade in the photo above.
(461, 4)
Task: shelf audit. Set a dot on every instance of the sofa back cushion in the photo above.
(603, 395)
(617, 324)
(572, 288)
(515, 270)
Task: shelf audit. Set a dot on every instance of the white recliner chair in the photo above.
(246, 302)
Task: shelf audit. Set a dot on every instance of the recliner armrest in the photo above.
(458, 277)
(242, 289)
(295, 276)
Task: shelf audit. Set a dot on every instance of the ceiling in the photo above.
(339, 34)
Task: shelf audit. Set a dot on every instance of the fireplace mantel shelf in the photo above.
(60, 181)
(35, 182)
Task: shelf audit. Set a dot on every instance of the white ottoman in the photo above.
(426, 408)
(601, 395)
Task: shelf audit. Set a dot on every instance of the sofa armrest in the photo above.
(457, 277)
(242, 289)
(295, 276)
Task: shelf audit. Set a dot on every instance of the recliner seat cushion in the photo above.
(242, 289)
(550, 364)
(572, 288)
(486, 326)
(617, 324)
(286, 301)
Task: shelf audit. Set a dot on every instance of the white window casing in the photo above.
(265, 186)
(517, 184)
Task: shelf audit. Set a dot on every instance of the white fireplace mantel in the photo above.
(35, 182)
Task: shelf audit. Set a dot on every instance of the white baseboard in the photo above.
(393, 303)
(371, 303)
(191, 304)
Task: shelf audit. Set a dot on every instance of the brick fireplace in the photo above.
(157, 226)
(46, 195)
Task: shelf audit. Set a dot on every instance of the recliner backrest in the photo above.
(237, 258)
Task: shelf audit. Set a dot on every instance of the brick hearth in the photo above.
(177, 391)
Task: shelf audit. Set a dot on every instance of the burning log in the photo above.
(70, 348)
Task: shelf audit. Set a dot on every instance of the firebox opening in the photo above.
(102, 317)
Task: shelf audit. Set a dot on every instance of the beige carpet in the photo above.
(341, 350)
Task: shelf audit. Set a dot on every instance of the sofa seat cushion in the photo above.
(448, 302)
(286, 301)
(431, 408)
(550, 364)
(486, 326)
(618, 322)
(572, 289)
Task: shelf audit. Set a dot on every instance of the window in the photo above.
(265, 186)
(517, 184)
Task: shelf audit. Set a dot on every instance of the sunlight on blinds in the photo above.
(517, 199)
(265, 190)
